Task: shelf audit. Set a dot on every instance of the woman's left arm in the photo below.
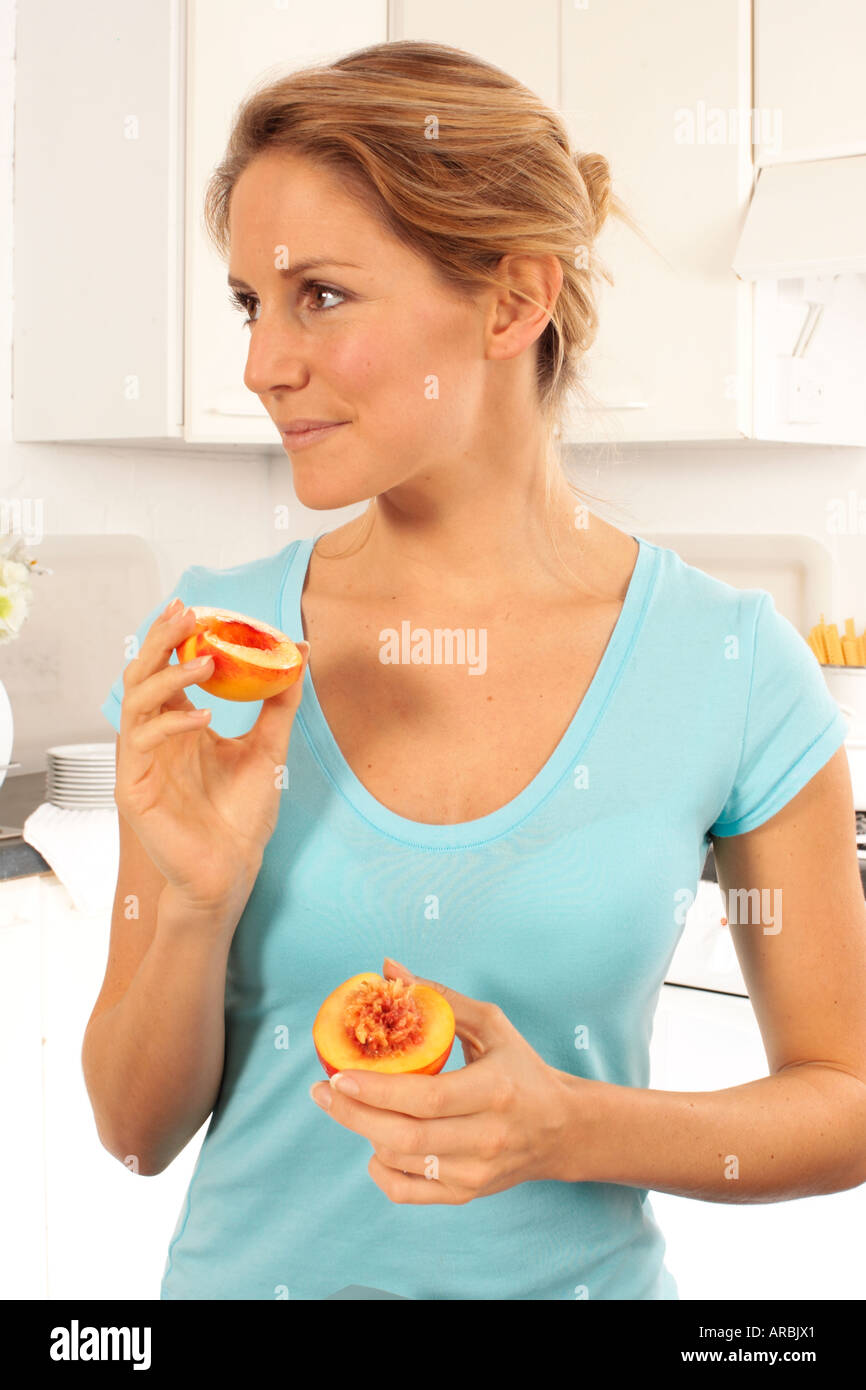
(801, 1131)
(509, 1117)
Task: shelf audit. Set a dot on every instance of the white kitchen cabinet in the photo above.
(98, 230)
(232, 45)
(123, 323)
(809, 79)
(75, 1222)
(653, 88)
(801, 1249)
(23, 1269)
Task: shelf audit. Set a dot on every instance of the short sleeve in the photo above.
(793, 725)
(184, 589)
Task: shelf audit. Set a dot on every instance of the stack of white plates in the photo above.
(80, 776)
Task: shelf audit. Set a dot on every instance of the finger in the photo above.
(166, 689)
(141, 699)
(272, 729)
(411, 1189)
(476, 1021)
(467, 1091)
(162, 637)
(144, 738)
(395, 1130)
(466, 1171)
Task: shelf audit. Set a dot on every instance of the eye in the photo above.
(244, 303)
(324, 289)
(247, 302)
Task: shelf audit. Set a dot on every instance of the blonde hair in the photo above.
(499, 176)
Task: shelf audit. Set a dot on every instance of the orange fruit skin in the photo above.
(430, 1070)
(232, 678)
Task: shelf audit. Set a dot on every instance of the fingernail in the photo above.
(172, 608)
(322, 1098)
(347, 1084)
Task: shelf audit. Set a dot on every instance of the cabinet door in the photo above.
(657, 89)
(23, 1271)
(809, 79)
(107, 1228)
(795, 1249)
(98, 175)
(232, 46)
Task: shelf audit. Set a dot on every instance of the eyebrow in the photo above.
(288, 272)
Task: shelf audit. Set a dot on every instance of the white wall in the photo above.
(743, 486)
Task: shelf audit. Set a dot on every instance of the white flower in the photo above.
(15, 593)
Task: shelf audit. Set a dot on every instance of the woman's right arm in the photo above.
(195, 814)
(153, 1050)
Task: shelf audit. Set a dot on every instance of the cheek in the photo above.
(385, 370)
(350, 355)
(363, 368)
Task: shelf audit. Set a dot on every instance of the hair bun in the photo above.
(595, 172)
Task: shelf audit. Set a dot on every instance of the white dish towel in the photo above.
(83, 849)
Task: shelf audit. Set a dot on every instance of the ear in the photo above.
(522, 305)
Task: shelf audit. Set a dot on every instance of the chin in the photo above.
(324, 492)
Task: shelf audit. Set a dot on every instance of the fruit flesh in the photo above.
(252, 660)
(405, 1028)
(383, 1018)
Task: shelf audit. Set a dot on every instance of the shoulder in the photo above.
(254, 587)
(691, 594)
(733, 644)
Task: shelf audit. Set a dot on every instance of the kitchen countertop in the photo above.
(21, 795)
(18, 797)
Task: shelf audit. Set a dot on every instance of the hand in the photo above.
(499, 1121)
(203, 807)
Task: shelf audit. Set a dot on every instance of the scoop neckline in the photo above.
(468, 834)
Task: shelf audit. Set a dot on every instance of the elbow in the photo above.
(848, 1118)
(125, 1148)
(856, 1116)
(142, 1164)
(129, 1153)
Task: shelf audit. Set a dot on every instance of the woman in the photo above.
(522, 822)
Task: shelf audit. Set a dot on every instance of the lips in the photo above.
(301, 435)
(303, 426)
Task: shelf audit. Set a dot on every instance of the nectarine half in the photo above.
(251, 659)
(373, 1024)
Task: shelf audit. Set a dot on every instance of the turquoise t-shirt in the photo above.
(707, 713)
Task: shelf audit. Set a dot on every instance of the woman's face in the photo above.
(374, 341)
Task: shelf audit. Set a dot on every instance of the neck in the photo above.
(490, 536)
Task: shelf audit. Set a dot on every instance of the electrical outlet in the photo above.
(802, 391)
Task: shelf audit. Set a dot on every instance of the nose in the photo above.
(274, 357)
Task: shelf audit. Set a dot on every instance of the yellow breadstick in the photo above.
(851, 651)
(834, 646)
(819, 646)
